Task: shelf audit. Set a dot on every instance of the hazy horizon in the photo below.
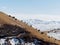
(40, 9)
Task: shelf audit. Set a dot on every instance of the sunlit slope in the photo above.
(5, 19)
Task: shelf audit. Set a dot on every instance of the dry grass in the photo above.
(5, 19)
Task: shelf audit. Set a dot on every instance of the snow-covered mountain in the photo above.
(43, 25)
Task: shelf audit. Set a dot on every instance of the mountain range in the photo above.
(44, 26)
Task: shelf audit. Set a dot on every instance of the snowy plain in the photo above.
(43, 25)
(42, 22)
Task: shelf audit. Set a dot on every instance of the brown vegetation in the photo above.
(5, 19)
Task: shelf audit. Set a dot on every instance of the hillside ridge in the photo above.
(5, 19)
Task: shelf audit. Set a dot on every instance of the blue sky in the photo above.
(31, 7)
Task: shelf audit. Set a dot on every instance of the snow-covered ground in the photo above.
(14, 41)
(54, 35)
(43, 25)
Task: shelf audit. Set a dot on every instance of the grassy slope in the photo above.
(4, 19)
